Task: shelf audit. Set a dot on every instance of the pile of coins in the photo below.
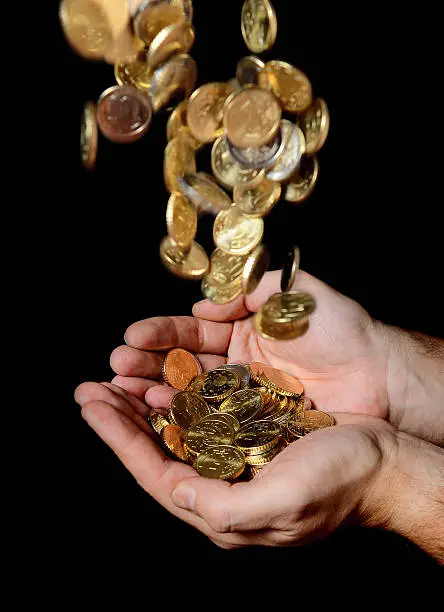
(258, 153)
(231, 422)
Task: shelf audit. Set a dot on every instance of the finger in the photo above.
(128, 361)
(348, 418)
(209, 362)
(134, 385)
(161, 333)
(208, 310)
(91, 391)
(138, 405)
(160, 396)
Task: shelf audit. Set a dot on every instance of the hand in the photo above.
(308, 490)
(339, 360)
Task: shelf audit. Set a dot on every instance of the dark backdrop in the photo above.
(372, 230)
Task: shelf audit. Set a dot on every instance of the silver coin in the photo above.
(241, 371)
(213, 203)
(257, 158)
(294, 148)
(248, 70)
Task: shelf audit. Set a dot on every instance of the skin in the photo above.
(364, 470)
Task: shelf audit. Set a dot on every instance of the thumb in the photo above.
(231, 508)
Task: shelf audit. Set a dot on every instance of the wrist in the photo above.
(407, 493)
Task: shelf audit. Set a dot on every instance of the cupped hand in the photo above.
(317, 483)
(339, 360)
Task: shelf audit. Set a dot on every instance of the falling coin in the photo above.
(290, 159)
(264, 156)
(134, 71)
(152, 16)
(175, 38)
(315, 123)
(193, 267)
(180, 159)
(177, 125)
(123, 113)
(228, 171)
(290, 86)
(220, 295)
(237, 233)
(205, 111)
(88, 136)
(257, 201)
(303, 182)
(176, 75)
(181, 218)
(255, 268)
(290, 268)
(248, 70)
(259, 25)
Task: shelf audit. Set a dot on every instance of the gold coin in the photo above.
(174, 438)
(181, 218)
(290, 86)
(180, 159)
(178, 74)
(297, 429)
(153, 16)
(187, 408)
(279, 381)
(89, 136)
(186, 6)
(192, 266)
(158, 421)
(259, 200)
(220, 295)
(210, 198)
(315, 123)
(228, 171)
(92, 26)
(248, 70)
(264, 156)
(258, 437)
(294, 148)
(303, 182)
(280, 331)
(134, 71)
(175, 38)
(255, 268)
(290, 268)
(205, 111)
(203, 435)
(177, 125)
(317, 419)
(265, 458)
(216, 385)
(237, 233)
(244, 404)
(252, 117)
(222, 462)
(226, 269)
(259, 25)
(287, 307)
(225, 417)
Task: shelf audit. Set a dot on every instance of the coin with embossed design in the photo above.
(252, 117)
(207, 433)
(177, 125)
(220, 294)
(181, 218)
(228, 171)
(134, 71)
(294, 148)
(279, 331)
(188, 408)
(123, 113)
(289, 306)
(179, 368)
(244, 404)
(175, 38)
(257, 201)
(158, 421)
(259, 25)
(179, 159)
(315, 123)
(248, 69)
(225, 417)
(290, 86)
(210, 197)
(264, 156)
(177, 76)
(281, 382)
(225, 268)
(241, 370)
(205, 111)
(192, 266)
(237, 233)
(317, 419)
(216, 385)
(222, 462)
(258, 437)
(152, 16)
(303, 182)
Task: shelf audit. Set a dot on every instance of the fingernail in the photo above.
(184, 496)
(197, 304)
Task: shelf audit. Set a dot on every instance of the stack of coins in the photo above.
(263, 125)
(232, 421)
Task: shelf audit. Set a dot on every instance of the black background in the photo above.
(372, 230)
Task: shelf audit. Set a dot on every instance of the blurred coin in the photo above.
(290, 268)
(158, 421)
(290, 86)
(225, 268)
(205, 111)
(186, 6)
(181, 218)
(179, 368)
(257, 201)
(123, 113)
(220, 295)
(248, 70)
(152, 16)
(179, 159)
(259, 25)
(255, 268)
(205, 434)
(289, 306)
(279, 331)
(283, 383)
(294, 147)
(222, 462)
(258, 437)
(228, 171)
(245, 404)
(134, 71)
(209, 197)
(176, 75)
(187, 408)
(237, 233)
(177, 125)
(252, 117)
(174, 438)
(303, 182)
(317, 419)
(175, 38)
(193, 267)
(264, 156)
(216, 385)
(225, 417)
(88, 136)
(315, 123)
(241, 371)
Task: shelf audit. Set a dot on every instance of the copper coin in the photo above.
(123, 113)
(179, 368)
(283, 383)
(174, 438)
